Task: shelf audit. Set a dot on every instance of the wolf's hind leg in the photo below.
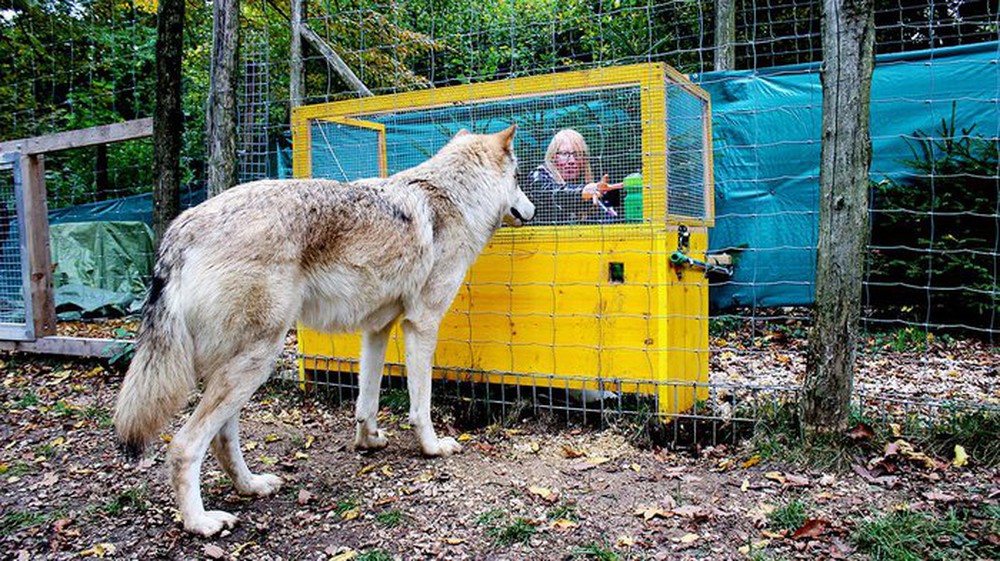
(420, 343)
(226, 391)
(226, 447)
(367, 435)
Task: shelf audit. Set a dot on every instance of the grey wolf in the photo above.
(234, 273)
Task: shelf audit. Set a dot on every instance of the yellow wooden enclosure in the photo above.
(585, 306)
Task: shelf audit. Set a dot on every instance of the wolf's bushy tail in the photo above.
(160, 377)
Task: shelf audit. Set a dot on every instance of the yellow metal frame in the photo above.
(665, 310)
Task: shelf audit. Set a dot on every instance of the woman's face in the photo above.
(569, 161)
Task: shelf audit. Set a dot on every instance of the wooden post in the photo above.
(296, 82)
(36, 218)
(848, 34)
(725, 34)
(221, 114)
(168, 119)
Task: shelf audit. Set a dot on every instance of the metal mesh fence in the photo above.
(932, 309)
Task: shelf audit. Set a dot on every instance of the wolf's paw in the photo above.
(443, 447)
(367, 441)
(261, 485)
(209, 523)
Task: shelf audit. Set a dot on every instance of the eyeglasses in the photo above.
(565, 156)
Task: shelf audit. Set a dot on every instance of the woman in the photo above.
(563, 186)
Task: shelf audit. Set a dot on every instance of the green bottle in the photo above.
(633, 198)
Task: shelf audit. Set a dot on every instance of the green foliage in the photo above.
(27, 400)
(517, 531)
(375, 555)
(789, 516)
(17, 520)
(503, 530)
(914, 536)
(389, 518)
(934, 232)
(596, 550)
(975, 431)
(396, 400)
(132, 498)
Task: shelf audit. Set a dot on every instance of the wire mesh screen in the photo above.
(686, 153)
(12, 309)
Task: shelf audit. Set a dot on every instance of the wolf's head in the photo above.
(497, 152)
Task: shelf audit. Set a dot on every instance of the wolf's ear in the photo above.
(461, 132)
(506, 137)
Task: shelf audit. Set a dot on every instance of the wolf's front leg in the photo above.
(373, 344)
(420, 343)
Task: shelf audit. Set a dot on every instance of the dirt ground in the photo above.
(521, 491)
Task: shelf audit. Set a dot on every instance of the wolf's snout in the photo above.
(525, 213)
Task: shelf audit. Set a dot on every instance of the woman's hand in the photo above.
(594, 191)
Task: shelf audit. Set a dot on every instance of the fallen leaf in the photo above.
(271, 438)
(345, 556)
(635, 467)
(754, 460)
(626, 541)
(50, 479)
(563, 524)
(213, 551)
(304, 497)
(939, 497)
(774, 535)
(351, 514)
(99, 550)
(793, 480)
(250, 445)
(309, 441)
(745, 486)
(814, 527)
(570, 452)
(650, 512)
(827, 480)
(775, 476)
(692, 511)
(689, 538)
(301, 456)
(464, 437)
(59, 525)
(755, 546)
(387, 471)
(542, 492)
(961, 458)
(861, 431)
(453, 541)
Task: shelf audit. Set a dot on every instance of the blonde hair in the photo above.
(576, 142)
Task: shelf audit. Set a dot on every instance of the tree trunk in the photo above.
(168, 118)
(848, 33)
(725, 34)
(221, 114)
(296, 82)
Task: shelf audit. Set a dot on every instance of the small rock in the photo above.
(213, 551)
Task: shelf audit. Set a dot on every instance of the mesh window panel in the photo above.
(685, 153)
(344, 152)
(11, 283)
